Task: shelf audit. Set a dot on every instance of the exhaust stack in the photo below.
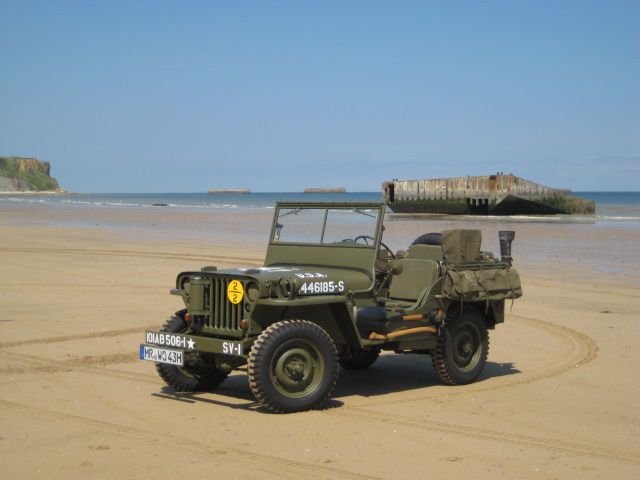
(506, 238)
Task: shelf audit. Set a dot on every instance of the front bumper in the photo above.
(194, 343)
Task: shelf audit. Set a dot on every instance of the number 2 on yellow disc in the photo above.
(235, 291)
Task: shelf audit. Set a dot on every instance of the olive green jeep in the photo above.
(331, 294)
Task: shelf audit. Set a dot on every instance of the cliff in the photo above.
(26, 175)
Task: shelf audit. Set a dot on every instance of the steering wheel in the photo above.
(365, 238)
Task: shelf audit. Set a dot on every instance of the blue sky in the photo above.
(185, 96)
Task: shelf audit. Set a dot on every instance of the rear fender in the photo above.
(493, 312)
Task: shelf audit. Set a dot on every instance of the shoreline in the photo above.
(43, 192)
(617, 206)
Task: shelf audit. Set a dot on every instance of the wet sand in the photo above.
(558, 398)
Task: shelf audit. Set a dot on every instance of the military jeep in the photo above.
(332, 294)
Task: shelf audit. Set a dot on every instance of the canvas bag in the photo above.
(482, 284)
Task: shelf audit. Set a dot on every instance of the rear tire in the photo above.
(199, 372)
(461, 353)
(293, 366)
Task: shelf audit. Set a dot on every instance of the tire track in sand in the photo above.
(81, 336)
(217, 452)
(555, 445)
(133, 253)
(577, 349)
(96, 365)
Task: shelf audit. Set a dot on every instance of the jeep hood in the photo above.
(347, 278)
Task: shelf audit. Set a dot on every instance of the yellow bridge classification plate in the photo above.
(235, 291)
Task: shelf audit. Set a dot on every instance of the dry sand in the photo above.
(558, 398)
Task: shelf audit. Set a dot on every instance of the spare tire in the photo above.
(428, 239)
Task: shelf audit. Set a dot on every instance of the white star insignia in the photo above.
(191, 344)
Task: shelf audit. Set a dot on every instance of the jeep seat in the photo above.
(408, 287)
(428, 252)
(407, 291)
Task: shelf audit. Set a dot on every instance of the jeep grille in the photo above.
(225, 316)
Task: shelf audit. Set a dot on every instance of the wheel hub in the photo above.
(294, 367)
(464, 347)
(295, 370)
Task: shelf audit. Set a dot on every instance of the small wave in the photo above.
(622, 219)
(25, 200)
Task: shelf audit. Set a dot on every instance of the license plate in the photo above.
(169, 340)
(162, 355)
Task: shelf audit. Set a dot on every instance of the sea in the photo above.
(610, 206)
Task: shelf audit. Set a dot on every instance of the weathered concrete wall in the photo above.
(494, 186)
(481, 194)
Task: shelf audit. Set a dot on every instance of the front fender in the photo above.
(333, 313)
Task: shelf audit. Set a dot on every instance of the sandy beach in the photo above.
(558, 398)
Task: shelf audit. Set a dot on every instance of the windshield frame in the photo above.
(327, 223)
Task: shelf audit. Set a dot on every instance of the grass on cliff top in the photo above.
(37, 181)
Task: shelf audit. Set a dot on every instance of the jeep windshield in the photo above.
(327, 224)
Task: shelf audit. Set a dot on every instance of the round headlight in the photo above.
(252, 291)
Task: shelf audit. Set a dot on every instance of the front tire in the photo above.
(293, 366)
(461, 353)
(199, 372)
